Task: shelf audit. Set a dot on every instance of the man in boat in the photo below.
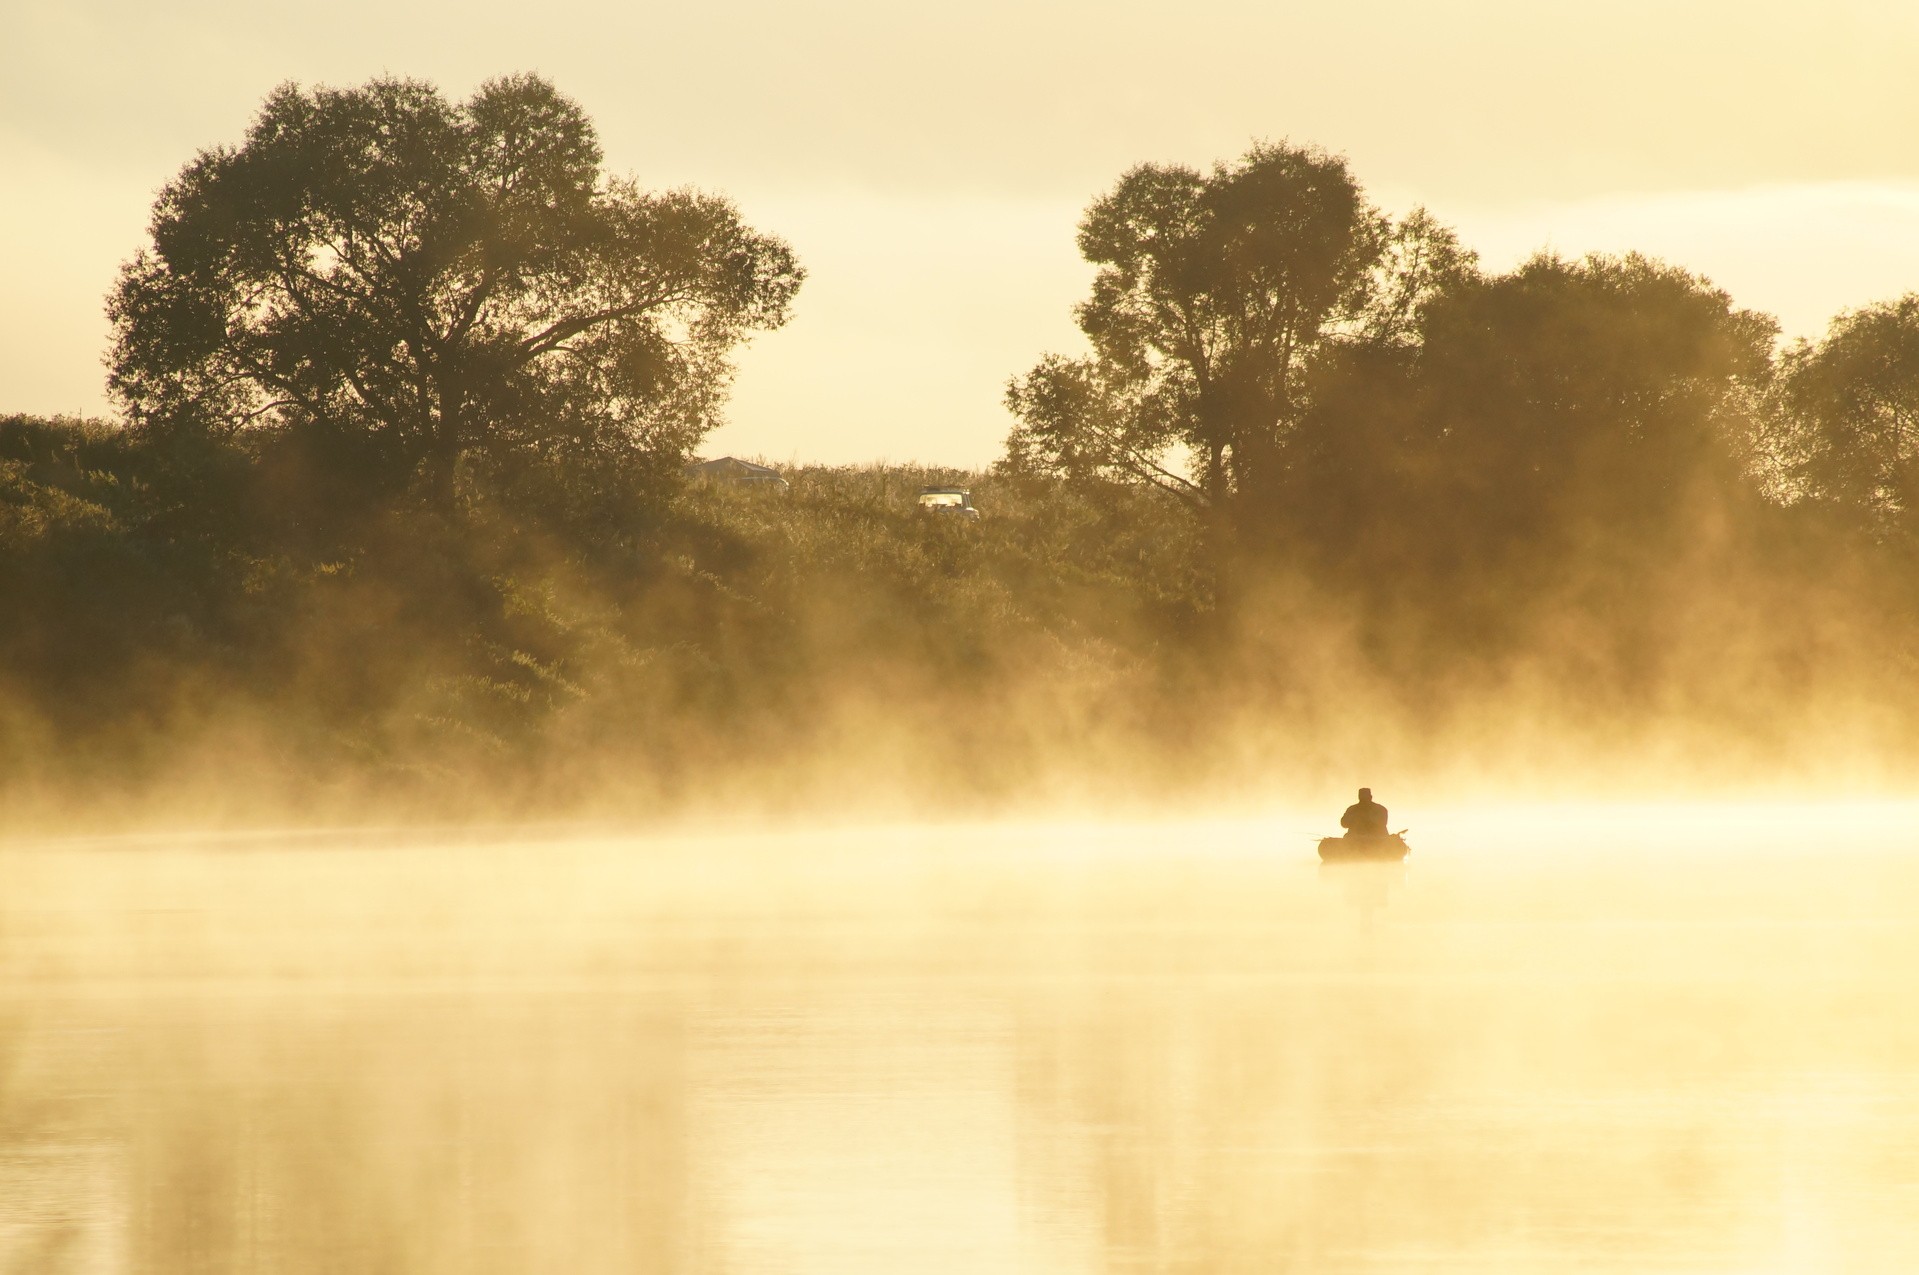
(1365, 817)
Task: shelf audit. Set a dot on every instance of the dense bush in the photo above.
(729, 645)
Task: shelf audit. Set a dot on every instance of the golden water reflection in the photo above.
(1675, 1040)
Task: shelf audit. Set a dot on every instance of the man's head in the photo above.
(1365, 794)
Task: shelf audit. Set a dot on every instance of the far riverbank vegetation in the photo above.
(393, 520)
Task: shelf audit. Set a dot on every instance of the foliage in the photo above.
(1848, 419)
(409, 287)
(455, 666)
(1561, 401)
(1325, 494)
(1214, 293)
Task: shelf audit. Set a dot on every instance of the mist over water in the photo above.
(409, 519)
(1632, 1038)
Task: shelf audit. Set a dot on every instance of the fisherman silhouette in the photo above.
(1365, 817)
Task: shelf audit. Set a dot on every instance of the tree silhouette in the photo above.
(1568, 443)
(424, 284)
(1848, 428)
(1213, 295)
(1590, 393)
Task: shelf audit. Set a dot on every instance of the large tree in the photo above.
(1567, 426)
(1848, 421)
(1600, 393)
(438, 286)
(1214, 293)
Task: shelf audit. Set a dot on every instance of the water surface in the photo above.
(1663, 1039)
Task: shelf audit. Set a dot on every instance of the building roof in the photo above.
(729, 467)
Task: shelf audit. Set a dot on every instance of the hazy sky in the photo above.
(929, 163)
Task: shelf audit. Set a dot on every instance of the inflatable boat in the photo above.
(1370, 848)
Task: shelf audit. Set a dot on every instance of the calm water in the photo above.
(1673, 1040)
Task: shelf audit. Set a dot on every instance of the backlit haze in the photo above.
(485, 852)
(929, 162)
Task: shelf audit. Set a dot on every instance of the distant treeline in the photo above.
(717, 646)
(394, 519)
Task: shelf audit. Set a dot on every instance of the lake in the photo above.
(1662, 1038)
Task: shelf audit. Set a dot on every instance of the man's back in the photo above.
(1364, 818)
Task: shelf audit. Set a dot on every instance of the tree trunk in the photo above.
(443, 456)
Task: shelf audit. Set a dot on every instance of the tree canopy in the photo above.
(1848, 419)
(1565, 411)
(434, 287)
(1213, 295)
(1598, 391)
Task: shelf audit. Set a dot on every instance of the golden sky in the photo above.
(929, 162)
